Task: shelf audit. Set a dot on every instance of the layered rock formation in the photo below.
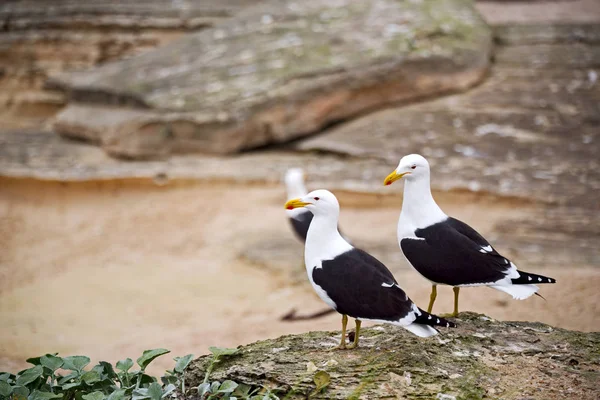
(275, 72)
(39, 39)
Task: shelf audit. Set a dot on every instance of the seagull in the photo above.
(351, 281)
(300, 217)
(447, 251)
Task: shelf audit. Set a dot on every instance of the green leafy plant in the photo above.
(101, 382)
(66, 378)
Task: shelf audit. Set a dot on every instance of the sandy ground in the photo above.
(110, 269)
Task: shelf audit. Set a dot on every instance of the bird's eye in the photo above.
(413, 167)
(316, 198)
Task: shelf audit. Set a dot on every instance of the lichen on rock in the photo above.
(481, 358)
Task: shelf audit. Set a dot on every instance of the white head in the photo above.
(294, 182)
(412, 167)
(419, 209)
(319, 202)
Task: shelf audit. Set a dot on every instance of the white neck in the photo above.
(419, 209)
(323, 241)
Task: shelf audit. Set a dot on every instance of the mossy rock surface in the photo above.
(481, 358)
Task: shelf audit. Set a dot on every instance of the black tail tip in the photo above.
(439, 321)
(444, 322)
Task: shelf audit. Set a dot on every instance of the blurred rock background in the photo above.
(143, 143)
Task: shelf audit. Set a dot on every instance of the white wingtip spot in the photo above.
(539, 279)
(530, 278)
(387, 284)
(549, 280)
(438, 320)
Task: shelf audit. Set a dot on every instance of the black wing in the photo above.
(453, 253)
(301, 223)
(374, 263)
(471, 233)
(353, 280)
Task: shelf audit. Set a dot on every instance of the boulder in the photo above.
(481, 358)
(275, 72)
(63, 35)
(530, 130)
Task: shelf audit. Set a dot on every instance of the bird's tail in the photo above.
(518, 292)
(433, 320)
(423, 326)
(525, 278)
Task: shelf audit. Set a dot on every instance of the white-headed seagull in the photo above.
(351, 281)
(299, 217)
(447, 251)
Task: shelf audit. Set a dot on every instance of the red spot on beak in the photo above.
(388, 183)
(290, 207)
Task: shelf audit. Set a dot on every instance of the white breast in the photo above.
(323, 242)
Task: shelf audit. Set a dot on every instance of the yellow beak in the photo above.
(393, 177)
(295, 203)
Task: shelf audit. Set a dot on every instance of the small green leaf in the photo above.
(215, 386)
(76, 363)
(108, 369)
(203, 389)
(168, 390)
(51, 362)
(5, 389)
(182, 362)
(147, 379)
(71, 385)
(106, 385)
(30, 375)
(243, 390)
(155, 391)
(222, 351)
(38, 395)
(149, 355)
(168, 379)
(321, 379)
(117, 395)
(34, 360)
(6, 376)
(93, 396)
(67, 378)
(227, 387)
(90, 377)
(125, 365)
(140, 394)
(20, 393)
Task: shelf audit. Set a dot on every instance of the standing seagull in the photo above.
(351, 281)
(299, 218)
(447, 251)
